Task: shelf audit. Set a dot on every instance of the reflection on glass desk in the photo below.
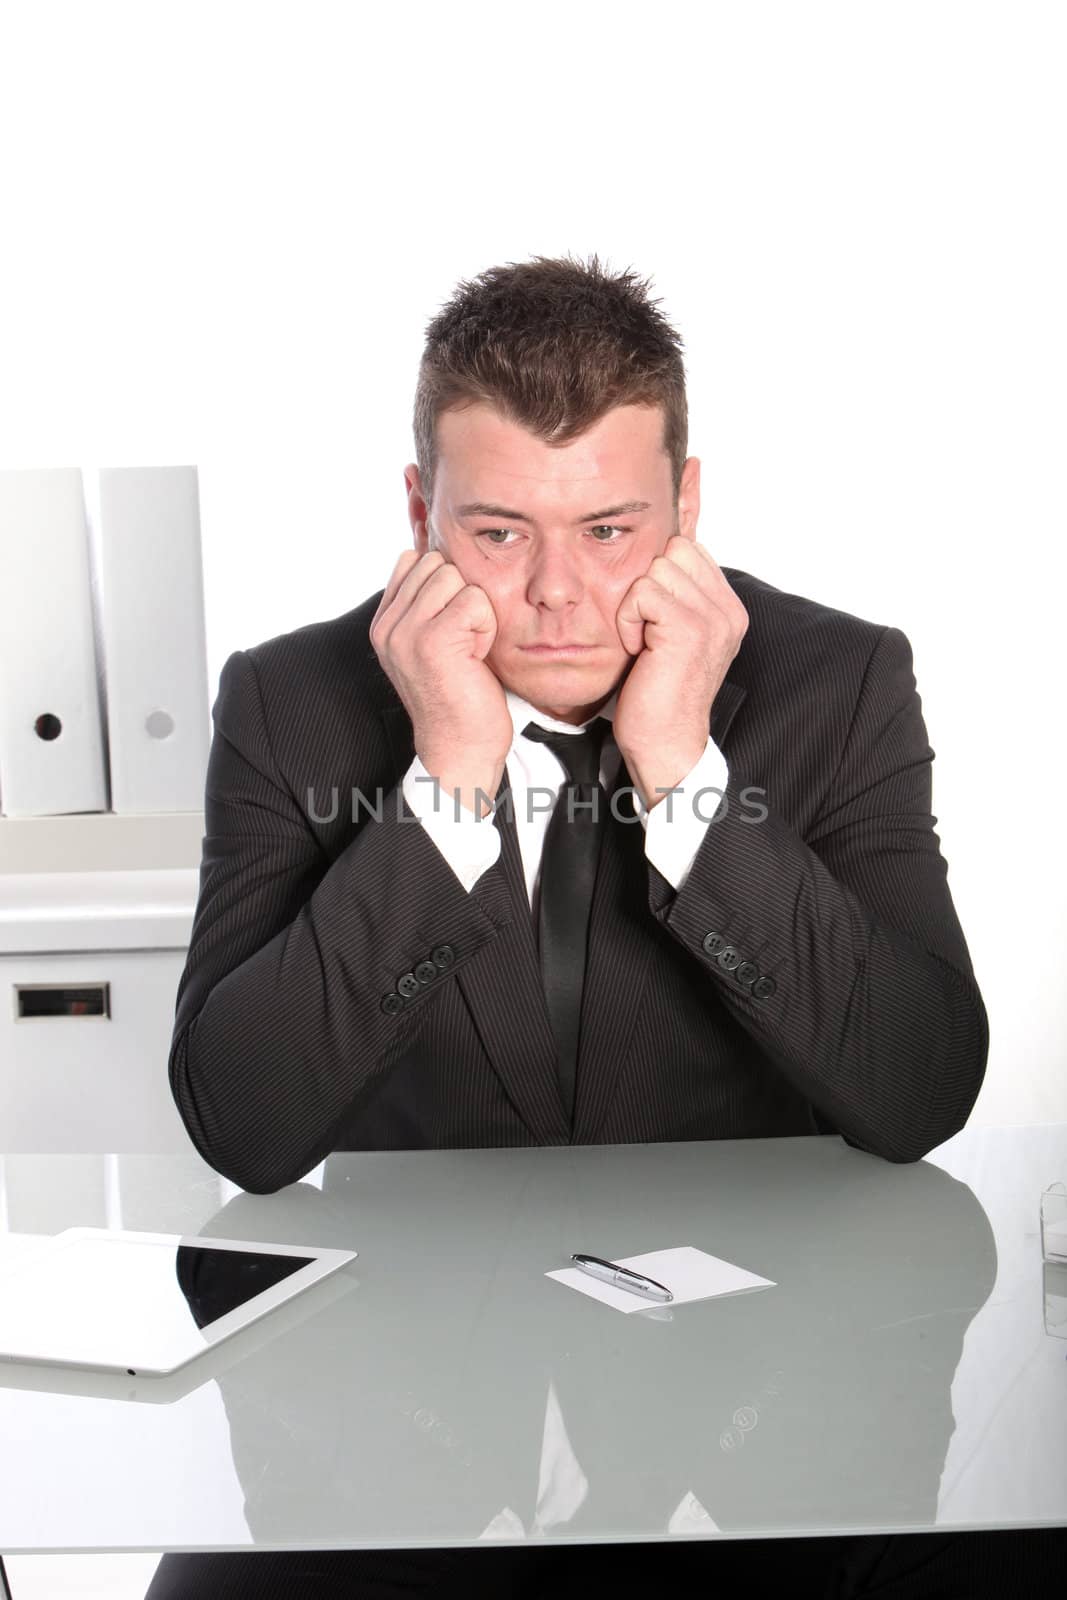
(905, 1372)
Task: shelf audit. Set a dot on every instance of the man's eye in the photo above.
(484, 533)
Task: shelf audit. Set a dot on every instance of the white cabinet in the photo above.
(89, 970)
(77, 1083)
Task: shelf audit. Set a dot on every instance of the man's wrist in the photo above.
(655, 776)
(472, 790)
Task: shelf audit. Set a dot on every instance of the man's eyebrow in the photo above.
(482, 508)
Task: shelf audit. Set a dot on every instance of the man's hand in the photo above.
(432, 632)
(685, 624)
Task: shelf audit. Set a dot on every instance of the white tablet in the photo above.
(145, 1303)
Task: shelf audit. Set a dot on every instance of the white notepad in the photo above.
(689, 1274)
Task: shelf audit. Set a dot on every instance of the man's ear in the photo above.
(418, 512)
(689, 498)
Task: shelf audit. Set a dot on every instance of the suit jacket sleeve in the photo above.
(873, 1011)
(279, 1031)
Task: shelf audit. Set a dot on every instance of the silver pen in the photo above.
(621, 1277)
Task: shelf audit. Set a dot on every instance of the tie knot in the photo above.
(579, 752)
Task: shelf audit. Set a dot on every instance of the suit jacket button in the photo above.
(408, 985)
(729, 958)
(392, 1003)
(764, 988)
(713, 943)
(443, 957)
(747, 973)
(426, 972)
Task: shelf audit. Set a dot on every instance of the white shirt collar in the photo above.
(523, 712)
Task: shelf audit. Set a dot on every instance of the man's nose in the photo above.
(555, 579)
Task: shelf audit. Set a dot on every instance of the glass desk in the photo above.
(908, 1371)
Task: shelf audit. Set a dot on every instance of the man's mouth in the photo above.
(557, 649)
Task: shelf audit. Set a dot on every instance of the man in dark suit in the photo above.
(736, 923)
(366, 963)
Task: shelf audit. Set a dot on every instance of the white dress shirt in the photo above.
(674, 828)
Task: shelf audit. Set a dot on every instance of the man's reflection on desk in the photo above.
(820, 1405)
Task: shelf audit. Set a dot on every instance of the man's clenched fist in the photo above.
(431, 633)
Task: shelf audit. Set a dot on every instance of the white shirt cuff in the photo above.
(468, 843)
(677, 823)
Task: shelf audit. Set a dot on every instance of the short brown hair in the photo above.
(552, 344)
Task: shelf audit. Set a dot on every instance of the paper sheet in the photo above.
(690, 1274)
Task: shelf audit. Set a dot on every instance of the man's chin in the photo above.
(562, 685)
(574, 673)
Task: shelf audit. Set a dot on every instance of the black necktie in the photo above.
(568, 873)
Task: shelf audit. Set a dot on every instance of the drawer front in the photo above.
(84, 1041)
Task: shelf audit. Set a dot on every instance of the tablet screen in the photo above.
(214, 1282)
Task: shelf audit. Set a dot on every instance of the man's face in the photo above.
(552, 546)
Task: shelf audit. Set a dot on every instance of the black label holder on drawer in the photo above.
(36, 1000)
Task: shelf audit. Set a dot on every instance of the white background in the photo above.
(225, 227)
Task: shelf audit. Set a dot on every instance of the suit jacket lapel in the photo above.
(505, 993)
(512, 1019)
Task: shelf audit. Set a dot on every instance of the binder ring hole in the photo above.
(47, 726)
(160, 724)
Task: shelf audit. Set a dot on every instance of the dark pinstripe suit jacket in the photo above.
(344, 991)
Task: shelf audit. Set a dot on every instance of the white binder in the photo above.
(145, 529)
(52, 745)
